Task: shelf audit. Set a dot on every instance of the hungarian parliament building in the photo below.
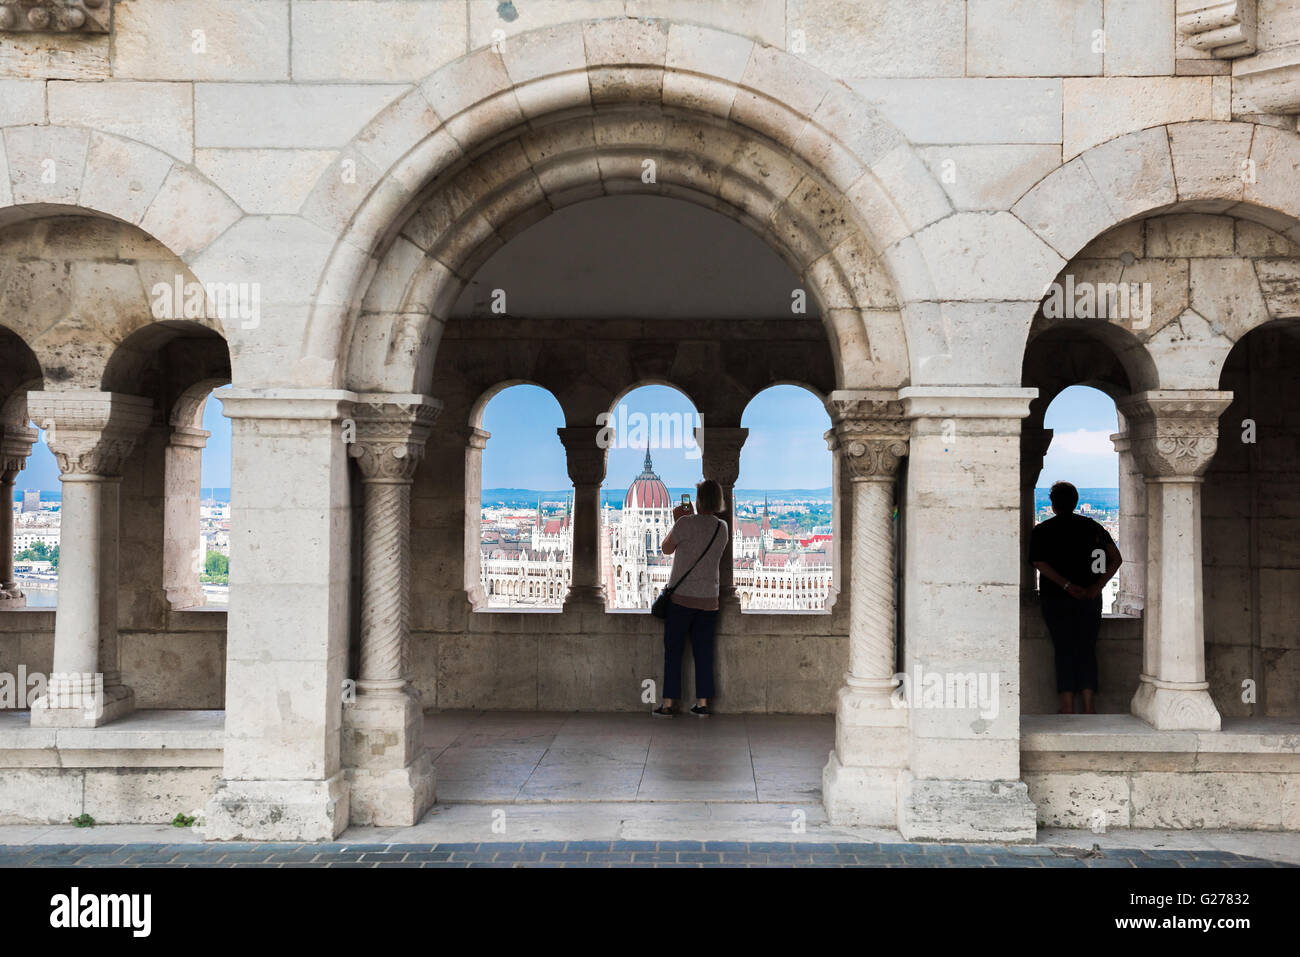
(773, 569)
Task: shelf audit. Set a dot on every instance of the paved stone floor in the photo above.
(546, 790)
(606, 854)
(524, 757)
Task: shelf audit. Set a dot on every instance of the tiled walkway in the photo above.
(606, 854)
(494, 757)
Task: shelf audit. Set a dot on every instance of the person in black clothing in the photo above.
(1075, 558)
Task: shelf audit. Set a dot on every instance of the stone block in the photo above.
(953, 810)
(989, 177)
(45, 56)
(895, 38)
(1242, 801)
(1029, 38)
(22, 102)
(238, 40)
(1097, 110)
(294, 116)
(272, 182)
(1190, 235)
(1080, 799)
(1139, 38)
(146, 795)
(159, 114)
(122, 178)
(382, 42)
(969, 110)
(269, 810)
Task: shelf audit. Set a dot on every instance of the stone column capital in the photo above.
(870, 431)
(966, 402)
(584, 455)
(16, 443)
(90, 433)
(720, 451)
(1174, 433)
(1122, 442)
(477, 438)
(1034, 443)
(184, 436)
(390, 434)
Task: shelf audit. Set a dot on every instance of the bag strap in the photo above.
(671, 588)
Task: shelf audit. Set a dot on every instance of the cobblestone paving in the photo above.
(607, 854)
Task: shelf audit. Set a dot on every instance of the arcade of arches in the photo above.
(791, 230)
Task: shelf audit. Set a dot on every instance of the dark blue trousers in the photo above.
(683, 623)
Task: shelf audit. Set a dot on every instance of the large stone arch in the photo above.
(746, 128)
(1239, 170)
(101, 174)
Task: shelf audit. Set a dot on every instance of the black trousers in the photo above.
(699, 626)
(1074, 626)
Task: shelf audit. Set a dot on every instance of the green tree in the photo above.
(216, 569)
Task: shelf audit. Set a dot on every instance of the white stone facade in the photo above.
(335, 173)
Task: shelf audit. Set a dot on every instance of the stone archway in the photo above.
(565, 114)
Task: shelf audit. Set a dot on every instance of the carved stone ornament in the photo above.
(1174, 433)
(16, 443)
(720, 451)
(55, 16)
(390, 438)
(90, 433)
(1223, 28)
(871, 434)
(583, 455)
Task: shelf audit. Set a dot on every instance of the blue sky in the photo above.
(1083, 420)
(785, 448)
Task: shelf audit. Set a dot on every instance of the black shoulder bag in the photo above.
(660, 608)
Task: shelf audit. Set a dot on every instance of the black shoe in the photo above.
(701, 711)
(661, 712)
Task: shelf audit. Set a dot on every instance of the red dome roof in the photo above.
(648, 490)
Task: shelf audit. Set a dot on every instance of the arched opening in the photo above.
(1081, 366)
(1250, 520)
(525, 502)
(28, 530)
(784, 547)
(653, 465)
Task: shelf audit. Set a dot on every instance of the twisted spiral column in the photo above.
(385, 591)
(871, 605)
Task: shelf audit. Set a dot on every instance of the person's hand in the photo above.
(1092, 591)
(1075, 591)
(681, 511)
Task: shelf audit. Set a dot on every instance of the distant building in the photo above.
(31, 501)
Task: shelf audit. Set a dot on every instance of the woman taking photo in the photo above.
(696, 542)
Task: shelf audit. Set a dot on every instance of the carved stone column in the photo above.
(721, 461)
(183, 555)
(390, 771)
(16, 443)
(586, 461)
(91, 435)
(1132, 529)
(1173, 437)
(860, 782)
(1034, 443)
(474, 447)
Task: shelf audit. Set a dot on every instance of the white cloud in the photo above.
(1083, 442)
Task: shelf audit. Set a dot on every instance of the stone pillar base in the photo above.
(1176, 706)
(390, 772)
(860, 796)
(114, 703)
(10, 602)
(585, 599)
(860, 782)
(277, 810)
(393, 797)
(949, 810)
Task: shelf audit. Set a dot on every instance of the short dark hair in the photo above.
(708, 496)
(1064, 495)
